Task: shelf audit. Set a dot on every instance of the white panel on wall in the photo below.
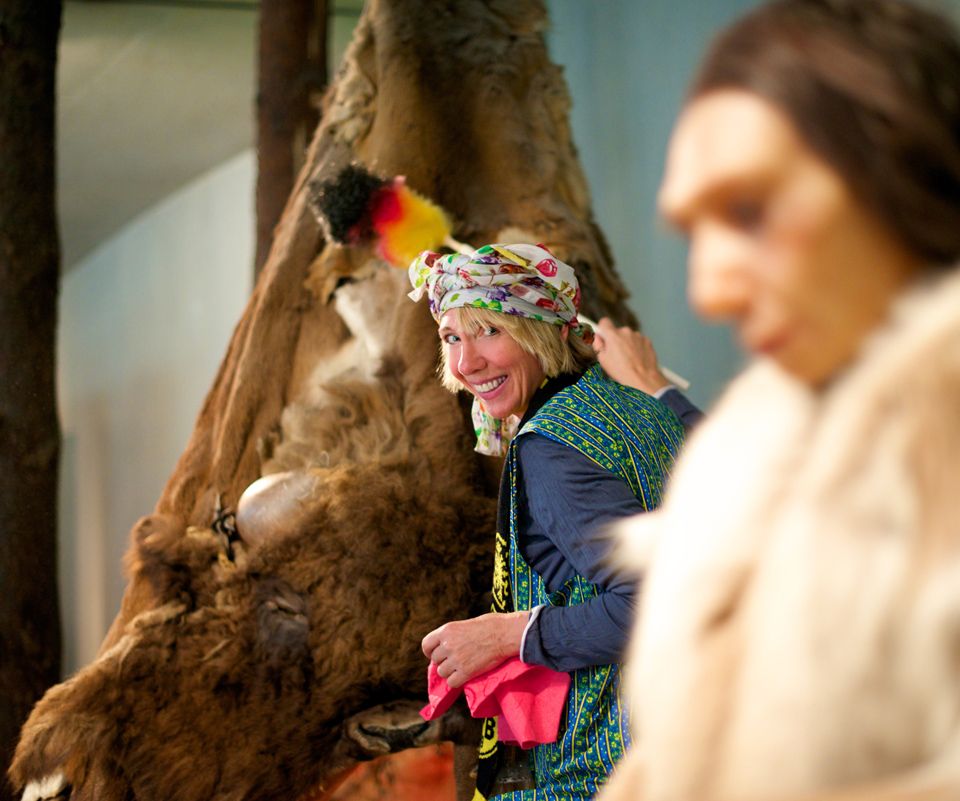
(144, 323)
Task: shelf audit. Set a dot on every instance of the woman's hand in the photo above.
(628, 357)
(463, 649)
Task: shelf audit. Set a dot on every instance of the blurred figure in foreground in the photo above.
(800, 624)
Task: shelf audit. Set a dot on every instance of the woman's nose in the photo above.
(718, 285)
(471, 359)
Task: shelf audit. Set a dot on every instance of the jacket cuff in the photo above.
(534, 614)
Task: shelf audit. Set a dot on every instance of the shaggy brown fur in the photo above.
(234, 669)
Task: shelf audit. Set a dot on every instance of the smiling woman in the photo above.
(580, 451)
(491, 364)
(481, 349)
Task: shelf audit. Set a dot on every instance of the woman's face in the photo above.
(491, 365)
(778, 245)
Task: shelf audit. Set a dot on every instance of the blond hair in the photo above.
(538, 338)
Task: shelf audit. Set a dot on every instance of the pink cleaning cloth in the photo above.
(527, 699)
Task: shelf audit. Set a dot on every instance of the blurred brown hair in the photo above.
(872, 87)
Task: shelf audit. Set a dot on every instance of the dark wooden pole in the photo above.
(292, 72)
(29, 431)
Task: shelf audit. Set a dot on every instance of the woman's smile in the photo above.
(489, 386)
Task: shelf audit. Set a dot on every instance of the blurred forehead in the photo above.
(723, 139)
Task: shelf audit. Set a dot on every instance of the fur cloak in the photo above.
(800, 627)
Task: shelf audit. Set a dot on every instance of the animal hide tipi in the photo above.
(260, 669)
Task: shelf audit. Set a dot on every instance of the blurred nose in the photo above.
(471, 357)
(718, 285)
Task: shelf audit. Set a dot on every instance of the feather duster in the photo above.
(358, 207)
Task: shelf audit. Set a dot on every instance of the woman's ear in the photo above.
(565, 333)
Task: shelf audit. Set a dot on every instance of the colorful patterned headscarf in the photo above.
(522, 280)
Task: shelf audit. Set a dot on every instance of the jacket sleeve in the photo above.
(572, 499)
(682, 407)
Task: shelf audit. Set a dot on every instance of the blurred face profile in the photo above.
(778, 246)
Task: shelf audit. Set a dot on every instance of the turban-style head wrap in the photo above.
(522, 280)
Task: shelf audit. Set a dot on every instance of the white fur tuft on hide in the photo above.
(49, 787)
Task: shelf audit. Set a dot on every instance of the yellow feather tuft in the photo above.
(413, 225)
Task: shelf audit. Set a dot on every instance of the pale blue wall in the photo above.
(627, 64)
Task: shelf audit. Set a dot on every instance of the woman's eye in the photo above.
(746, 215)
(490, 330)
(451, 339)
